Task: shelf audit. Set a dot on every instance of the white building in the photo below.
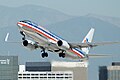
(59, 71)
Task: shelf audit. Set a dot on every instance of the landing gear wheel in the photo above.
(23, 38)
(62, 55)
(44, 55)
(23, 34)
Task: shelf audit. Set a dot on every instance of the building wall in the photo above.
(54, 75)
(78, 73)
(113, 72)
(8, 68)
(103, 73)
(110, 72)
(79, 69)
(58, 71)
(38, 66)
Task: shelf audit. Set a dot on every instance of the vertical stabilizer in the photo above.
(88, 39)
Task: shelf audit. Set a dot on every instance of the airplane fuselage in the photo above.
(49, 41)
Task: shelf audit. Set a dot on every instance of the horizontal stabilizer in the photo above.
(99, 55)
(94, 44)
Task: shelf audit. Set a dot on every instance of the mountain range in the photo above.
(10, 15)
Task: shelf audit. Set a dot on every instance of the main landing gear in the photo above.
(44, 54)
(62, 55)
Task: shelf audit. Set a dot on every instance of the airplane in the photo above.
(46, 40)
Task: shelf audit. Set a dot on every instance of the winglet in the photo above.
(6, 38)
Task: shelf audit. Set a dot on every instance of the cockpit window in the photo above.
(26, 21)
(29, 22)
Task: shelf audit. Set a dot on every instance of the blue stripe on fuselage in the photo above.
(48, 33)
(79, 51)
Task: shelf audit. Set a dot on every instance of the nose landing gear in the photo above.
(23, 34)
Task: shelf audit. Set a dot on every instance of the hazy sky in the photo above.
(73, 7)
(76, 8)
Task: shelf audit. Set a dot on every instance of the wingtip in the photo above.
(6, 38)
(92, 28)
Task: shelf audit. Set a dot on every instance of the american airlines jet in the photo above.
(46, 40)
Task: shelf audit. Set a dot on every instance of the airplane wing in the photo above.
(6, 39)
(84, 45)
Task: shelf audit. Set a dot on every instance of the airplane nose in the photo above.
(19, 25)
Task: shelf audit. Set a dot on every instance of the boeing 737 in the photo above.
(46, 40)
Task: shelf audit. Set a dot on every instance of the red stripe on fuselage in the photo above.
(76, 53)
(38, 31)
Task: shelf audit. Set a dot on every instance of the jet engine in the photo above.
(30, 44)
(63, 44)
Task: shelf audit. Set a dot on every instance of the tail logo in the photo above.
(86, 40)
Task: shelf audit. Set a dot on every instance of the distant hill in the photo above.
(112, 20)
(42, 15)
(79, 26)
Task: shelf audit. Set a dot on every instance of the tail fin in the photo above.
(88, 39)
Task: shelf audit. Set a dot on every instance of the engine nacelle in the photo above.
(30, 44)
(63, 44)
